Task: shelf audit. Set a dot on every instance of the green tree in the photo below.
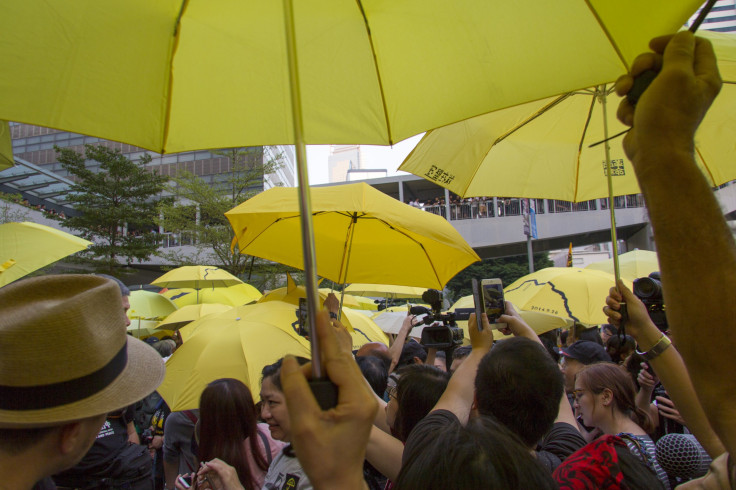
(121, 194)
(199, 212)
(508, 269)
(10, 209)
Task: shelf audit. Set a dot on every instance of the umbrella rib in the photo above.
(531, 118)
(608, 35)
(378, 73)
(580, 145)
(705, 166)
(272, 224)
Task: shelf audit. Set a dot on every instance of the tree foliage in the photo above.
(199, 212)
(508, 269)
(10, 209)
(122, 193)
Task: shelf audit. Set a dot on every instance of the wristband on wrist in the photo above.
(662, 344)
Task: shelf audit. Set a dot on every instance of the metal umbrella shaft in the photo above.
(603, 96)
(305, 206)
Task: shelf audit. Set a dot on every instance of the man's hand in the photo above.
(330, 444)
(515, 324)
(639, 325)
(671, 108)
(483, 340)
(668, 410)
(332, 304)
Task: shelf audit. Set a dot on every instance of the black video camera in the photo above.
(649, 291)
(442, 336)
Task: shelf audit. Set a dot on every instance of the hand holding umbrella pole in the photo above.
(323, 389)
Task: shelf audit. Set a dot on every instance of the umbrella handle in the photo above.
(325, 391)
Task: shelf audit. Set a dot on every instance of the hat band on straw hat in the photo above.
(55, 394)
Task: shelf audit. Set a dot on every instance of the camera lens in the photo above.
(646, 287)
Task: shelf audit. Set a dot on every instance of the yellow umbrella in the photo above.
(634, 264)
(229, 348)
(26, 247)
(188, 314)
(147, 305)
(369, 72)
(196, 277)
(541, 149)
(143, 329)
(567, 292)
(361, 234)
(237, 295)
(6, 147)
(538, 321)
(385, 290)
(292, 292)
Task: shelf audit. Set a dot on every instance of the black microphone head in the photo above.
(682, 456)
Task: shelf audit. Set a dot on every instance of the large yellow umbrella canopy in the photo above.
(6, 147)
(196, 277)
(385, 290)
(187, 314)
(541, 149)
(229, 348)
(26, 247)
(361, 235)
(634, 264)
(237, 295)
(370, 72)
(567, 292)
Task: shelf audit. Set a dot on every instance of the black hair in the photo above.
(591, 334)
(610, 328)
(411, 350)
(521, 386)
(549, 341)
(273, 371)
(124, 291)
(375, 372)
(637, 474)
(15, 441)
(618, 346)
(417, 392)
(462, 352)
(482, 454)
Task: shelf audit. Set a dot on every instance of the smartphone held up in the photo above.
(488, 297)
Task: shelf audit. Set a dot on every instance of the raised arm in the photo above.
(460, 392)
(668, 366)
(697, 254)
(398, 343)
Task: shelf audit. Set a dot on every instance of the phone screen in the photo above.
(493, 300)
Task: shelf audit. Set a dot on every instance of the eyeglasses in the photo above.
(578, 394)
(391, 391)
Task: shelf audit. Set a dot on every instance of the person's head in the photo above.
(273, 402)
(228, 403)
(372, 349)
(412, 353)
(440, 360)
(605, 462)
(583, 332)
(417, 391)
(458, 356)
(375, 372)
(76, 322)
(482, 454)
(607, 331)
(124, 292)
(620, 348)
(578, 355)
(603, 391)
(520, 385)
(164, 347)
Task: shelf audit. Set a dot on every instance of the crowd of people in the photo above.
(626, 405)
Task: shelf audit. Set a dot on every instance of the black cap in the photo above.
(586, 352)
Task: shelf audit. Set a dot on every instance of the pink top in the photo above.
(274, 446)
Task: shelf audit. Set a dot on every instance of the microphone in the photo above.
(682, 456)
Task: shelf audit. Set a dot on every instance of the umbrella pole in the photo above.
(305, 206)
(603, 96)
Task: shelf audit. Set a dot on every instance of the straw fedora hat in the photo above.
(65, 354)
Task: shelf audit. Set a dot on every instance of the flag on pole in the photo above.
(569, 256)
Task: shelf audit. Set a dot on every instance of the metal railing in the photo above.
(512, 206)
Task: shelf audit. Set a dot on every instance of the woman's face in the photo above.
(586, 405)
(274, 411)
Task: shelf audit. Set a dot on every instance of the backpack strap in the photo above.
(190, 415)
(266, 445)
